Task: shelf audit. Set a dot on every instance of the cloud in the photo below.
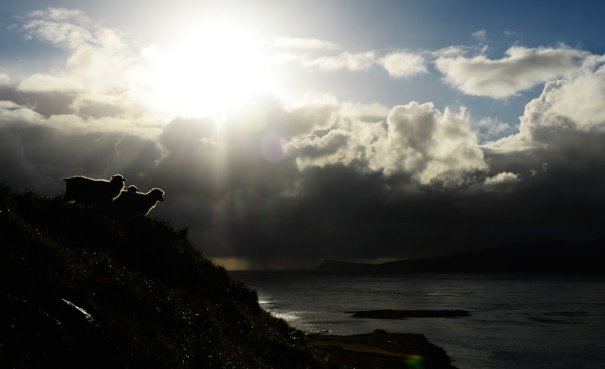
(45, 103)
(355, 181)
(400, 64)
(501, 178)
(480, 35)
(345, 61)
(403, 64)
(504, 177)
(48, 83)
(36, 151)
(7, 106)
(11, 111)
(576, 103)
(522, 68)
(304, 43)
(490, 128)
(511, 34)
(62, 27)
(434, 146)
(321, 178)
(367, 182)
(70, 29)
(563, 109)
(99, 64)
(416, 140)
(5, 79)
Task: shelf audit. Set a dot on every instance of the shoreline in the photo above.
(382, 350)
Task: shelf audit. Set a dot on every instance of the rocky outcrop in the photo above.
(383, 350)
(403, 314)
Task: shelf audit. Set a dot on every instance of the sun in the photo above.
(209, 70)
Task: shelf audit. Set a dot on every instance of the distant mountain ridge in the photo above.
(584, 258)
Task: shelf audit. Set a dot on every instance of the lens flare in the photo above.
(414, 362)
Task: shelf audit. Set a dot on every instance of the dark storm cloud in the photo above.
(45, 103)
(36, 151)
(545, 183)
(238, 203)
(352, 209)
(328, 179)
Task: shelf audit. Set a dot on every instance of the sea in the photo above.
(515, 322)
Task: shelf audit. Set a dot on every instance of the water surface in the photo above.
(516, 321)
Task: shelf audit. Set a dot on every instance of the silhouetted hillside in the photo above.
(83, 290)
(531, 258)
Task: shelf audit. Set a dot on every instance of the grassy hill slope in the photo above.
(80, 289)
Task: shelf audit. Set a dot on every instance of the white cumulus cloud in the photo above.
(500, 178)
(404, 64)
(304, 43)
(416, 140)
(564, 109)
(522, 68)
(344, 61)
(47, 83)
(433, 146)
(99, 64)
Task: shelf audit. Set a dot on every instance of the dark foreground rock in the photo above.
(402, 314)
(50, 332)
(383, 350)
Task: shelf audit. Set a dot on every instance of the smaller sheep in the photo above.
(131, 202)
(132, 188)
(92, 192)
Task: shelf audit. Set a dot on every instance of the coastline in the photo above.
(382, 350)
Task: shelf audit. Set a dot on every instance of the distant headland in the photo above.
(559, 258)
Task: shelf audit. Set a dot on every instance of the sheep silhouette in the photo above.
(131, 202)
(92, 192)
(132, 188)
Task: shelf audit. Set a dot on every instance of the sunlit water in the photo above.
(516, 321)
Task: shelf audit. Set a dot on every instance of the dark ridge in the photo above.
(334, 267)
(557, 258)
(81, 289)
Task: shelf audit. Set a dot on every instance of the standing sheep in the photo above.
(131, 202)
(95, 192)
(132, 188)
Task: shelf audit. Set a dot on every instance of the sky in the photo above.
(287, 133)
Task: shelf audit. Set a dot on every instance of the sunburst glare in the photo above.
(210, 70)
